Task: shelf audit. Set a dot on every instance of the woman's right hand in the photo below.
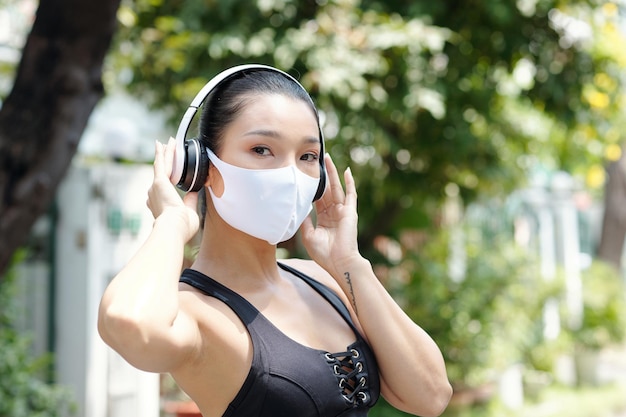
(163, 198)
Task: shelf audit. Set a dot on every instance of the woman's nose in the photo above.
(290, 159)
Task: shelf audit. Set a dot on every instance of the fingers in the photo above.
(162, 193)
(336, 193)
(335, 189)
(169, 156)
(164, 158)
(158, 158)
(351, 195)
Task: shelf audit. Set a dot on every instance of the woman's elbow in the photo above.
(430, 401)
(440, 400)
(436, 402)
(118, 330)
(129, 340)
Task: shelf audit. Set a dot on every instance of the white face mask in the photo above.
(269, 204)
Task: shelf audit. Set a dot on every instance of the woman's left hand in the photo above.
(389, 330)
(333, 241)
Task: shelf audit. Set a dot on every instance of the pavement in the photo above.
(612, 368)
(612, 365)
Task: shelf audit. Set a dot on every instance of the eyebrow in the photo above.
(276, 135)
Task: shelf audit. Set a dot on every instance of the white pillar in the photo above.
(569, 245)
(88, 255)
(538, 199)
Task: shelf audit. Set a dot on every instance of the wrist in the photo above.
(179, 221)
(356, 264)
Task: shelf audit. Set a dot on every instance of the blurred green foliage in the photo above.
(491, 316)
(415, 95)
(24, 391)
(604, 308)
(484, 321)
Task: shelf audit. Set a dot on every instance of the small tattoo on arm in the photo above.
(349, 281)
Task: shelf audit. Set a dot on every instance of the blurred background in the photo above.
(486, 139)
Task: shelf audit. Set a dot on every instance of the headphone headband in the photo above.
(190, 159)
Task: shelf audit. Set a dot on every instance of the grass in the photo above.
(558, 401)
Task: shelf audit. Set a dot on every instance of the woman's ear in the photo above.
(215, 181)
(208, 174)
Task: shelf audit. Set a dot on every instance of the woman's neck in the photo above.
(231, 256)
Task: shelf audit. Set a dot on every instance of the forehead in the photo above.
(278, 110)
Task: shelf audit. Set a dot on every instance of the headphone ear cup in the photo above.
(196, 166)
(203, 168)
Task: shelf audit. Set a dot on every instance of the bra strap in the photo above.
(325, 292)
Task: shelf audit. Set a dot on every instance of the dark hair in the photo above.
(230, 97)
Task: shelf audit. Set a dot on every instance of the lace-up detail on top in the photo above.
(351, 374)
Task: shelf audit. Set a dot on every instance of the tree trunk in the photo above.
(58, 84)
(614, 219)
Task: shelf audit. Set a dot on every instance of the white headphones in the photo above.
(191, 162)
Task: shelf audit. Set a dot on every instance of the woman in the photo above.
(243, 334)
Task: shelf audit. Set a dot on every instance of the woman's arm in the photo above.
(412, 369)
(411, 365)
(139, 313)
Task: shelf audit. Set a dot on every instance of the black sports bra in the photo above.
(288, 379)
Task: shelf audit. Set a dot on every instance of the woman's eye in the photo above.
(261, 150)
(309, 157)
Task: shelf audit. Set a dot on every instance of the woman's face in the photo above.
(272, 131)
